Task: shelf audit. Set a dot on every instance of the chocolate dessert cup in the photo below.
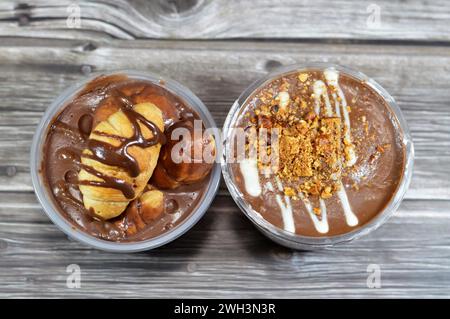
(332, 155)
(101, 168)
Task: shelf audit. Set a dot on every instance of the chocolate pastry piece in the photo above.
(142, 211)
(186, 159)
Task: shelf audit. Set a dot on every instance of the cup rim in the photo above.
(309, 242)
(43, 194)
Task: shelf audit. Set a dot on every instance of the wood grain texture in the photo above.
(408, 54)
(412, 249)
(410, 20)
(218, 72)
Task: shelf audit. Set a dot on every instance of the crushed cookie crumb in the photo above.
(312, 148)
(303, 77)
(383, 148)
(289, 191)
(303, 104)
(326, 193)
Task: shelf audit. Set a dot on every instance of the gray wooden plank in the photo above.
(34, 71)
(413, 20)
(412, 250)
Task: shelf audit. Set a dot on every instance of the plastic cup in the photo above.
(290, 239)
(46, 198)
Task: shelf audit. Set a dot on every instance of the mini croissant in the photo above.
(105, 179)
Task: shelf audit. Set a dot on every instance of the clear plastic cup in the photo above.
(293, 240)
(45, 197)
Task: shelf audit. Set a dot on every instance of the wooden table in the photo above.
(218, 48)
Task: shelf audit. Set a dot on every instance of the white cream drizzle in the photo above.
(321, 225)
(269, 187)
(321, 92)
(249, 170)
(286, 208)
(350, 217)
(284, 99)
(286, 213)
(279, 184)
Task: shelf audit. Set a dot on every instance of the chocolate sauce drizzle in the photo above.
(119, 156)
(108, 181)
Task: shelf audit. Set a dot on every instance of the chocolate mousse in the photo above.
(108, 159)
(323, 153)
